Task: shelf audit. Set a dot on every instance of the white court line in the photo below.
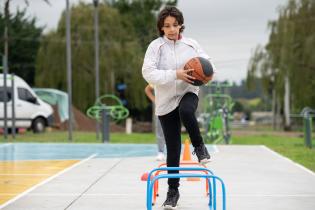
(289, 160)
(5, 145)
(45, 181)
(33, 160)
(24, 174)
(142, 194)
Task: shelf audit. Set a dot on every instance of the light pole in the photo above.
(5, 98)
(5, 64)
(69, 69)
(96, 42)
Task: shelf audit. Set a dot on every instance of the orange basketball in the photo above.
(203, 70)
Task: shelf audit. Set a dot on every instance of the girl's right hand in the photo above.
(185, 75)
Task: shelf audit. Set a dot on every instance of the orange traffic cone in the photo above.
(187, 157)
(186, 153)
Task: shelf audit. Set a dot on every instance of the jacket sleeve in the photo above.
(151, 73)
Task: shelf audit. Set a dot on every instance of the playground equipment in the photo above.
(107, 106)
(308, 114)
(216, 114)
(208, 176)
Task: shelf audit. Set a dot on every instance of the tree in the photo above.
(288, 59)
(142, 14)
(23, 42)
(120, 57)
(7, 27)
(126, 28)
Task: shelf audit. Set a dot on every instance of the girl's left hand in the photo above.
(185, 75)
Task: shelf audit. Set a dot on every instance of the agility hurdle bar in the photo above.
(156, 184)
(212, 204)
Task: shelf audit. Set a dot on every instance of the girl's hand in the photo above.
(185, 75)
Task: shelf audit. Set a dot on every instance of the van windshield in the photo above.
(25, 95)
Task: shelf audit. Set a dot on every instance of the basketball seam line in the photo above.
(195, 72)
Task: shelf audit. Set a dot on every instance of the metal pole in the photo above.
(287, 123)
(13, 106)
(69, 70)
(105, 125)
(5, 98)
(308, 130)
(96, 41)
(5, 64)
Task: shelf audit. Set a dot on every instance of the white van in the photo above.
(30, 111)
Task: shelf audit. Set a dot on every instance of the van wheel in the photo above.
(38, 125)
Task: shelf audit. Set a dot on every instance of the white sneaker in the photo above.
(160, 156)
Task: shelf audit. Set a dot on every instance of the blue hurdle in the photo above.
(194, 169)
(212, 194)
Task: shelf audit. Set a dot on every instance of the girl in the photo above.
(176, 99)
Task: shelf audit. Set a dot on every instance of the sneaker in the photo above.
(202, 154)
(171, 199)
(160, 156)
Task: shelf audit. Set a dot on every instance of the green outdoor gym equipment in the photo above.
(110, 103)
(308, 115)
(217, 107)
(105, 107)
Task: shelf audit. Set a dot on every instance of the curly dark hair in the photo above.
(173, 12)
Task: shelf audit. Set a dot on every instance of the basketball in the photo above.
(203, 70)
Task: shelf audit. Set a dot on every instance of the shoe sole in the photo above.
(205, 161)
(168, 207)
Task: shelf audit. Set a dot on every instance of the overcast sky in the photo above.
(228, 30)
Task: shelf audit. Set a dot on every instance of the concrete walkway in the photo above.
(255, 177)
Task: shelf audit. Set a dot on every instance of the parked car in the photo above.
(30, 111)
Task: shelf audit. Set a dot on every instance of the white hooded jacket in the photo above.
(163, 57)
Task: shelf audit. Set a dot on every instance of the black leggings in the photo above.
(171, 125)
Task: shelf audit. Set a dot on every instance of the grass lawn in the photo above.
(84, 137)
(291, 147)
